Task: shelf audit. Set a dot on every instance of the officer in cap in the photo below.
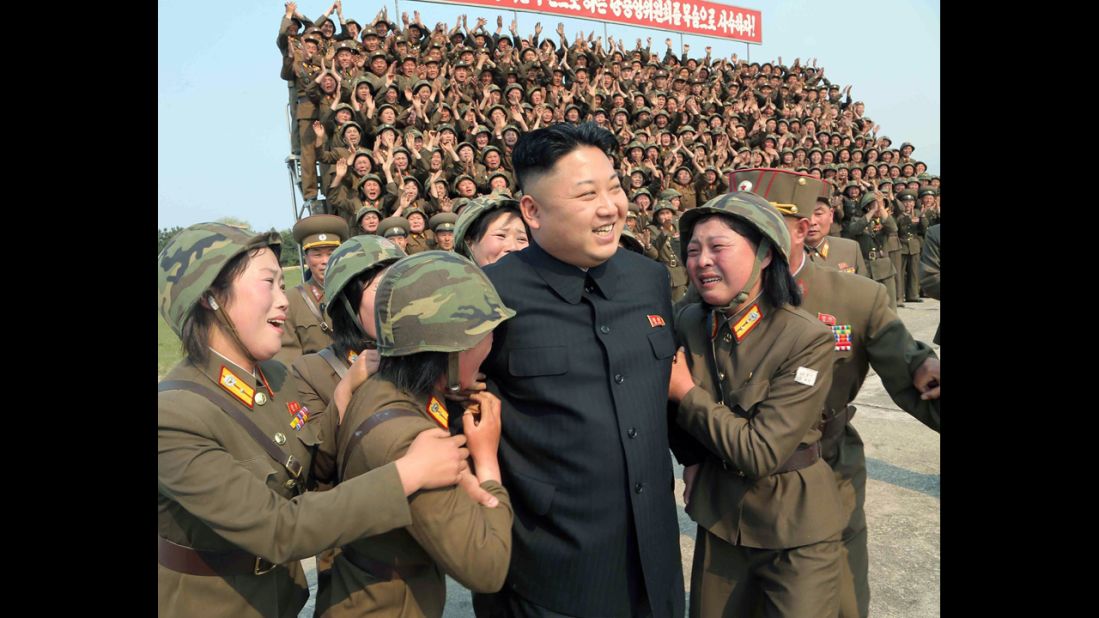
(665, 239)
(434, 316)
(911, 230)
(232, 464)
(870, 227)
(840, 253)
(749, 390)
(307, 330)
(929, 204)
(868, 334)
(395, 229)
(442, 224)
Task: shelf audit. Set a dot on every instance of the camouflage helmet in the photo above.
(744, 206)
(474, 210)
(355, 256)
(192, 260)
(435, 301)
(629, 241)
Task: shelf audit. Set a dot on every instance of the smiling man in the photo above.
(582, 371)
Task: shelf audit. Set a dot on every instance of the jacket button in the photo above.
(604, 329)
(632, 432)
(618, 378)
(640, 487)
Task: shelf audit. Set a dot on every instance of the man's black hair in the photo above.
(538, 151)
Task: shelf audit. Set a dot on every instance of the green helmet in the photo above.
(191, 261)
(477, 207)
(355, 256)
(748, 208)
(435, 301)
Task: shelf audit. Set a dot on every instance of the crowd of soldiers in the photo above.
(407, 123)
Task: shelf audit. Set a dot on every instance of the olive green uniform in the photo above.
(760, 387)
(840, 253)
(306, 329)
(666, 246)
(867, 332)
(422, 241)
(872, 237)
(219, 491)
(449, 534)
(911, 234)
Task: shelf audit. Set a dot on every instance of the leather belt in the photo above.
(831, 427)
(209, 563)
(378, 569)
(805, 456)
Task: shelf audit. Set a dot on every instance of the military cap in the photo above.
(360, 80)
(442, 222)
(313, 34)
(396, 110)
(446, 127)
(928, 190)
(365, 210)
(462, 64)
(911, 179)
(394, 226)
(369, 31)
(791, 193)
(460, 178)
(320, 231)
(663, 205)
(511, 127)
(343, 106)
(685, 128)
(630, 242)
(348, 44)
(907, 194)
(192, 260)
(378, 54)
(415, 210)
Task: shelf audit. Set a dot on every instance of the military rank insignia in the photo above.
(299, 415)
(352, 356)
(438, 412)
(842, 333)
(236, 387)
(745, 324)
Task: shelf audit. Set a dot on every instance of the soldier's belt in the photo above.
(209, 563)
(873, 254)
(833, 422)
(805, 456)
(378, 569)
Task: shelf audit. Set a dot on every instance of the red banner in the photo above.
(696, 17)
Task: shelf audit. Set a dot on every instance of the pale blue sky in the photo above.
(221, 107)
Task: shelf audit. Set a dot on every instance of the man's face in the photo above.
(664, 217)
(345, 58)
(400, 240)
(378, 65)
(577, 210)
(819, 223)
(444, 240)
(316, 260)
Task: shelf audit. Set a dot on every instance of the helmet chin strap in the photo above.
(357, 322)
(453, 381)
(761, 252)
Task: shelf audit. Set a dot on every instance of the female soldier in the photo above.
(434, 316)
(232, 522)
(489, 228)
(750, 391)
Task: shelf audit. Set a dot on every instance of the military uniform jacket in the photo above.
(423, 241)
(449, 533)
(667, 253)
(867, 333)
(873, 244)
(218, 490)
(583, 377)
(911, 233)
(688, 200)
(842, 254)
(306, 329)
(758, 397)
(317, 378)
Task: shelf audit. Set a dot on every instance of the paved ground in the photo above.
(902, 501)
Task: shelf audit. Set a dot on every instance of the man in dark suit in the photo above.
(582, 371)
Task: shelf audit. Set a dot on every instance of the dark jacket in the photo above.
(583, 377)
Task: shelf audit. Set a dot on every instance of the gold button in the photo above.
(728, 338)
(261, 398)
(801, 181)
(720, 375)
(290, 484)
(280, 439)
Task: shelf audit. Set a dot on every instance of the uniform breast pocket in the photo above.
(533, 362)
(747, 397)
(662, 343)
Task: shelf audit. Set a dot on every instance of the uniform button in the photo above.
(280, 439)
(618, 379)
(728, 338)
(261, 398)
(632, 432)
(604, 329)
(721, 375)
(640, 487)
(290, 484)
